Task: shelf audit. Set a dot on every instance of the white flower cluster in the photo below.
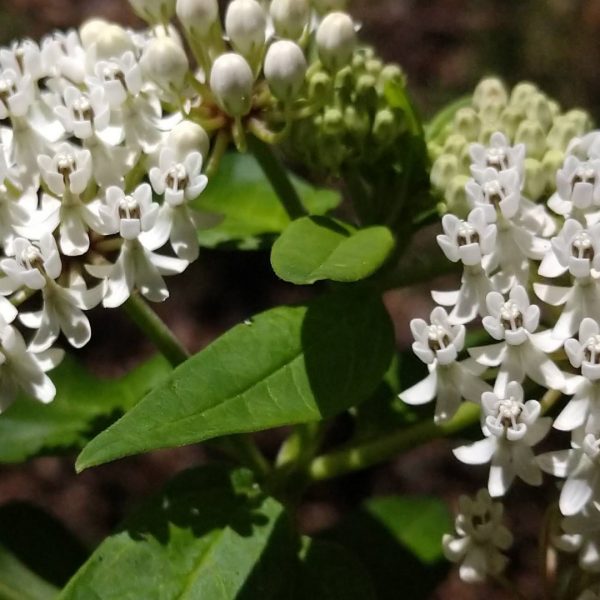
(83, 126)
(511, 250)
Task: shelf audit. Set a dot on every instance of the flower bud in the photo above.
(290, 17)
(391, 73)
(336, 40)
(187, 137)
(488, 91)
(165, 63)
(319, 87)
(246, 24)
(197, 16)
(285, 69)
(510, 119)
(580, 119)
(333, 121)
(535, 179)
(357, 122)
(443, 170)
(467, 123)
(385, 127)
(456, 196)
(561, 133)
(538, 109)
(154, 11)
(112, 41)
(522, 93)
(231, 82)
(90, 30)
(455, 143)
(532, 135)
(551, 163)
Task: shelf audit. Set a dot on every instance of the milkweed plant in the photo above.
(125, 153)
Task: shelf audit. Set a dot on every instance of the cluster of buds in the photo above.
(518, 242)
(525, 115)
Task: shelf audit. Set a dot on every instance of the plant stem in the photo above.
(248, 453)
(375, 451)
(277, 176)
(152, 325)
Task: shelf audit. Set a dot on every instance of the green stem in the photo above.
(244, 448)
(376, 451)
(278, 177)
(151, 324)
(218, 151)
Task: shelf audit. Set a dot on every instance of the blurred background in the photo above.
(445, 46)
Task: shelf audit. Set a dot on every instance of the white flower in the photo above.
(494, 191)
(499, 154)
(24, 58)
(438, 345)
(63, 56)
(521, 353)
(511, 427)
(17, 94)
(21, 369)
(582, 534)
(120, 78)
(577, 249)
(69, 169)
(580, 466)
(481, 538)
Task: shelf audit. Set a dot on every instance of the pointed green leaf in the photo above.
(210, 535)
(82, 405)
(17, 582)
(316, 248)
(252, 211)
(287, 365)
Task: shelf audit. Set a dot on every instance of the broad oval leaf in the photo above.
(287, 365)
(251, 210)
(316, 248)
(210, 534)
(83, 403)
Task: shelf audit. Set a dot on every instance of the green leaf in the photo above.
(17, 582)
(83, 404)
(328, 571)
(210, 535)
(398, 539)
(252, 212)
(28, 532)
(316, 248)
(288, 365)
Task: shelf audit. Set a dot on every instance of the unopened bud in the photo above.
(580, 119)
(290, 17)
(489, 91)
(456, 196)
(285, 69)
(333, 121)
(197, 16)
(90, 30)
(385, 128)
(357, 122)
(187, 137)
(522, 93)
(535, 179)
(165, 63)
(467, 123)
(319, 87)
(154, 11)
(231, 82)
(538, 109)
(246, 24)
(455, 143)
(391, 74)
(532, 135)
(443, 170)
(551, 163)
(112, 41)
(336, 40)
(563, 130)
(510, 119)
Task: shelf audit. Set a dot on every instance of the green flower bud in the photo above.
(319, 87)
(522, 93)
(538, 109)
(231, 82)
(357, 122)
(90, 30)
(165, 63)
(490, 112)
(366, 91)
(435, 150)
(385, 128)
(455, 143)
(285, 69)
(535, 179)
(456, 196)
(246, 25)
(111, 41)
(197, 16)
(510, 119)
(563, 130)
(187, 137)
(532, 135)
(486, 132)
(154, 11)
(336, 40)
(391, 74)
(554, 107)
(374, 66)
(580, 118)
(443, 170)
(333, 122)
(488, 91)
(290, 17)
(552, 161)
(467, 123)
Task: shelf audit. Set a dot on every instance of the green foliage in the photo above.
(287, 365)
(252, 212)
(210, 534)
(17, 582)
(84, 404)
(316, 248)
(398, 539)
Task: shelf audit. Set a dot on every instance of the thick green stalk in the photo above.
(277, 176)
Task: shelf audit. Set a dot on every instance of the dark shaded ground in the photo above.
(445, 46)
